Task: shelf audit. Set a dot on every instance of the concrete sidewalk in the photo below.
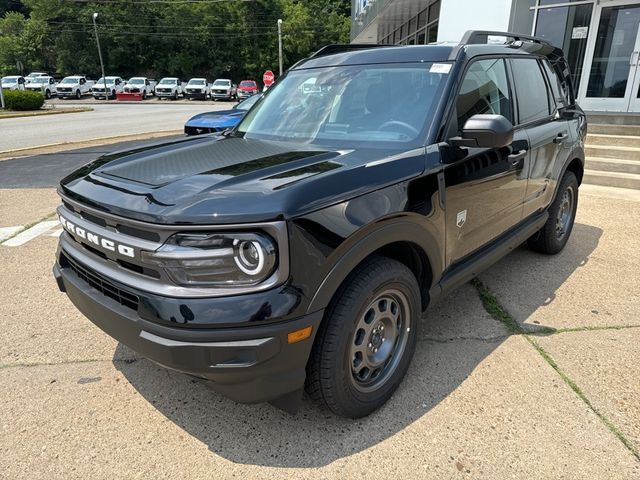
(530, 373)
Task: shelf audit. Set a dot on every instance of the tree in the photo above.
(222, 38)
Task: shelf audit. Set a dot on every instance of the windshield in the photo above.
(248, 103)
(40, 80)
(247, 84)
(224, 83)
(9, 79)
(196, 82)
(109, 80)
(168, 81)
(136, 81)
(70, 80)
(373, 105)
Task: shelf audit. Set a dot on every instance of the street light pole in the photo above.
(280, 44)
(104, 79)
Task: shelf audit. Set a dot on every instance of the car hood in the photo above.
(222, 179)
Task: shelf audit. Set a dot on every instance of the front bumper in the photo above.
(247, 364)
(196, 95)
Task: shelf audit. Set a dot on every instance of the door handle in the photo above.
(561, 138)
(517, 159)
(633, 61)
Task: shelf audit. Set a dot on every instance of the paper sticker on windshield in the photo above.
(440, 68)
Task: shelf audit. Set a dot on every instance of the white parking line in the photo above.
(56, 233)
(6, 232)
(30, 233)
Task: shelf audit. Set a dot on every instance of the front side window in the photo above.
(372, 105)
(485, 90)
(533, 97)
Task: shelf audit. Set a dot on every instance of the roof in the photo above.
(473, 43)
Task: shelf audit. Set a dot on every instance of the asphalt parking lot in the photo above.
(532, 372)
(105, 120)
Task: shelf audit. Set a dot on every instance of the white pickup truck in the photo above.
(197, 88)
(44, 84)
(143, 85)
(74, 86)
(224, 88)
(114, 86)
(169, 87)
(13, 82)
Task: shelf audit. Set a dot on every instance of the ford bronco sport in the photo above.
(300, 248)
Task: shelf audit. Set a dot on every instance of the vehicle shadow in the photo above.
(525, 281)
(456, 336)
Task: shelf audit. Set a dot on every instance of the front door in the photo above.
(614, 78)
(485, 189)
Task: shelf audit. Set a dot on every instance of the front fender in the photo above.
(406, 227)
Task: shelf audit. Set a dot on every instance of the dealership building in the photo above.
(601, 38)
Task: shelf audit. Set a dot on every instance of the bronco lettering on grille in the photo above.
(96, 239)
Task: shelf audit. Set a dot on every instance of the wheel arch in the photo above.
(405, 241)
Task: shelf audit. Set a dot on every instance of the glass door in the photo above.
(634, 63)
(612, 80)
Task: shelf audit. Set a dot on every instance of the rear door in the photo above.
(548, 133)
(485, 188)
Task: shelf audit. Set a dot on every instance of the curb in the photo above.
(63, 146)
(39, 113)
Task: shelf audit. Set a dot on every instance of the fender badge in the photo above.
(461, 218)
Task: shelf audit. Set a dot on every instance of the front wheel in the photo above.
(47, 94)
(366, 340)
(78, 95)
(552, 238)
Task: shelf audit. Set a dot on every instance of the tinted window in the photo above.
(484, 90)
(558, 92)
(533, 98)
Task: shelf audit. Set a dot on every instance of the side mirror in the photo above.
(485, 131)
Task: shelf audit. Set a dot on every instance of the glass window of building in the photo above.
(567, 27)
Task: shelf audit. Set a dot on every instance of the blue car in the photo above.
(211, 122)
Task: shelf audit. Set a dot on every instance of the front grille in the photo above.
(64, 89)
(100, 283)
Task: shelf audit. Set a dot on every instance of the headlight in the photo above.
(216, 259)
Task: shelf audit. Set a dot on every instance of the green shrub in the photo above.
(22, 100)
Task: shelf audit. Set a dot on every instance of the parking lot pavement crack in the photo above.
(68, 362)
(493, 339)
(498, 312)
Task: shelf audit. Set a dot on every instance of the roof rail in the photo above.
(481, 37)
(341, 48)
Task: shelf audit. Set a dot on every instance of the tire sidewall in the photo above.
(346, 392)
(568, 181)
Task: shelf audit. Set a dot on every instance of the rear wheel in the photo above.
(554, 235)
(366, 340)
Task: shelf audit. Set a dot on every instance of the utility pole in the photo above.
(280, 44)
(1, 96)
(104, 79)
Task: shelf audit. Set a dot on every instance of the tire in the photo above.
(552, 238)
(175, 95)
(342, 372)
(47, 94)
(144, 95)
(78, 95)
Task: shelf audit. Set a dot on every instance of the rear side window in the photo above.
(559, 94)
(531, 89)
(485, 90)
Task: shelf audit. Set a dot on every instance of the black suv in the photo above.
(301, 248)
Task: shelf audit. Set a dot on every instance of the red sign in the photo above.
(268, 78)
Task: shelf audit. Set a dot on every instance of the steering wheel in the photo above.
(397, 123)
